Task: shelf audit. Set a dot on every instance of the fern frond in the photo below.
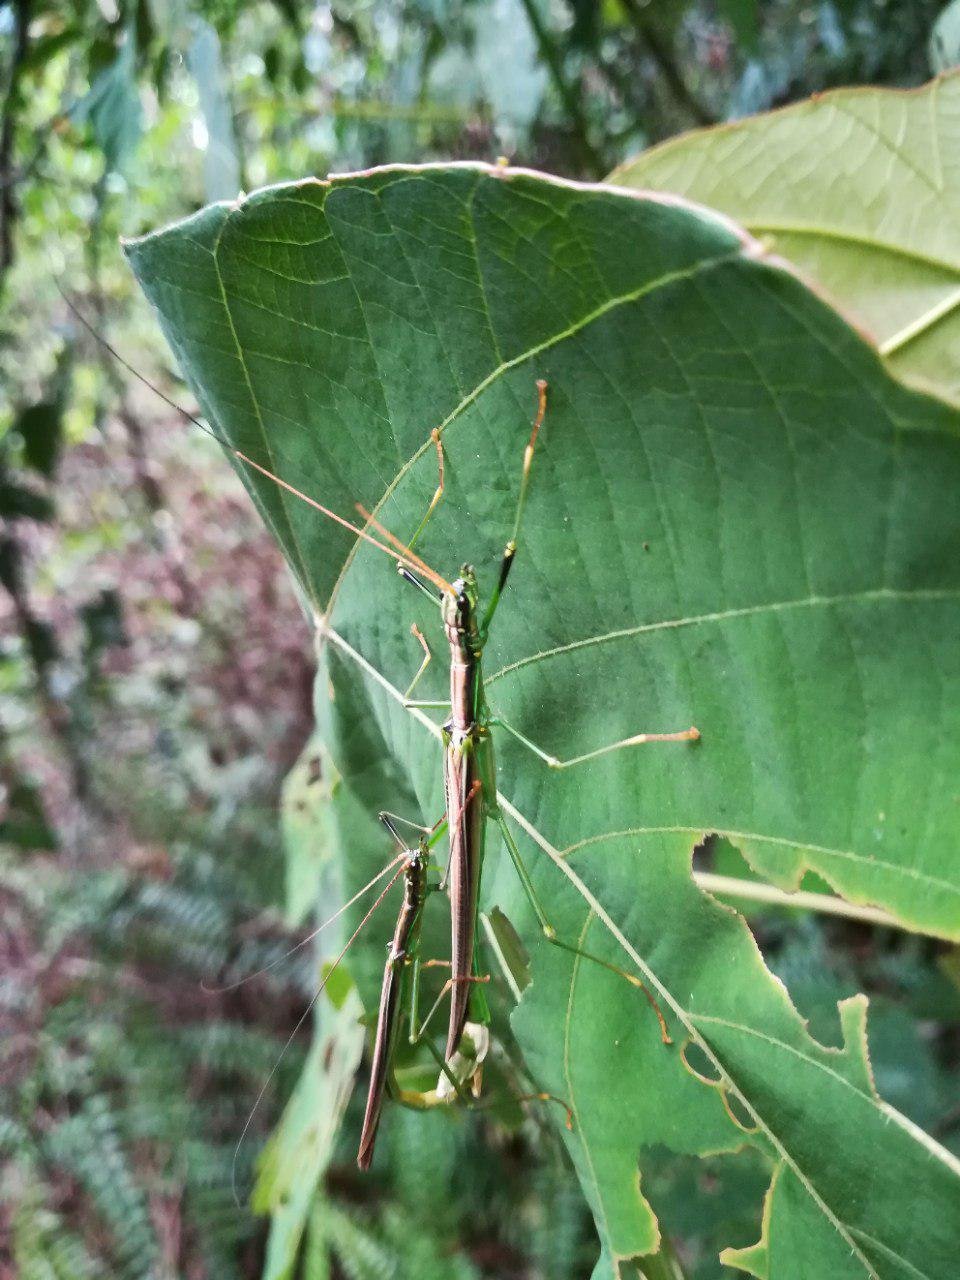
(43, 1247)
(560, 1236)
(358, 1250)
(88, 1145)
(231, 1049)
(422, 1254)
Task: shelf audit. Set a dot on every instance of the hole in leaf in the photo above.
(697, 1062)
(737, 1112)
(337, 984)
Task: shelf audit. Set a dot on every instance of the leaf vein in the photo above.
(866, 596)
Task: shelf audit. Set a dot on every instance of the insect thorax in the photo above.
(460, 614)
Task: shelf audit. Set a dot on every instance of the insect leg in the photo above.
(421, 639)
(638, 739)
(510, 550)
(416, 1033)
(409, 576)
(390, 820)
(438, 492)
(453, 1079)
(550, 933)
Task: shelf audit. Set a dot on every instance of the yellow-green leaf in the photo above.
(860, 189)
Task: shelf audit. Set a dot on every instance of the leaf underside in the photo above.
(737, 520)
(859, 189)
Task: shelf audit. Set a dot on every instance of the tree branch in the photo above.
(657, 48)
(8, 128)
(551, 55)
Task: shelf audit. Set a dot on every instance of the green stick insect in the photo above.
(400, 990)
(469, 773)
(400, 996)
(469, 767)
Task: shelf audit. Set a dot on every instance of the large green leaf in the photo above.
(860, 189)
(737, 519)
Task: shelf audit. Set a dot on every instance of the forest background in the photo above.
(155, 665)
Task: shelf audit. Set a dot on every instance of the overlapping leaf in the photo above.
(857, 187)
(737, 520)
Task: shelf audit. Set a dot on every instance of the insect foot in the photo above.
(466, 1065)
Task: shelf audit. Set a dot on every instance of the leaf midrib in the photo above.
(760, 226)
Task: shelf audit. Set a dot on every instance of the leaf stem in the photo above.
(920, 325)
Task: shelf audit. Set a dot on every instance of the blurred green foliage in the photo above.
(154, 667)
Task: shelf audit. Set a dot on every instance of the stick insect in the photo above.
(399, 1003)
(400, 1000)
(468, 754)
(404, 950)
(469, 770)
(400, 996)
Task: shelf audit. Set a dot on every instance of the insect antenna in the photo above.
(141, 377)
(242, 982)
(403, 554)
